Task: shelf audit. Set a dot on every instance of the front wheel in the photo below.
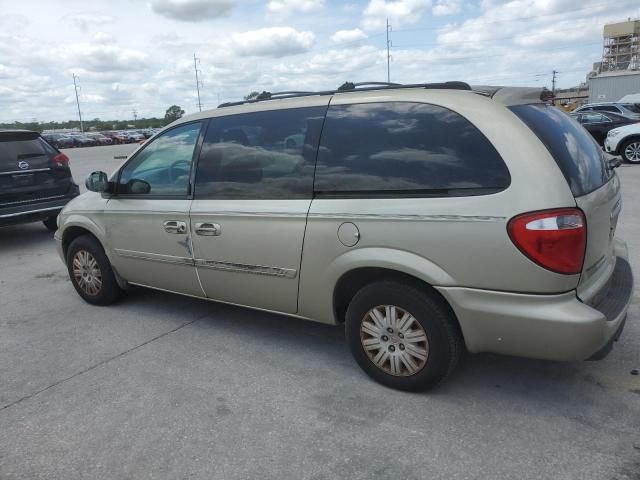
(631, 151)
(91, 272)
(402, 337)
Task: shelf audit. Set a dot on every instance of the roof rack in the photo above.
(350, 87)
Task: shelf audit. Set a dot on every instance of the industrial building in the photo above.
(618, 74)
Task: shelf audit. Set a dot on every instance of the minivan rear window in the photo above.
(575, 151)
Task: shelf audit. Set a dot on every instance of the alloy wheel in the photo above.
(632, 152)
(86, 272)
(394, 340)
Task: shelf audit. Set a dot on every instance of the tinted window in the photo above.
(607, 108)
(260, 155)
(165, 163)
(576, 153)
(384, 148)
(16, 147)
(635, 108)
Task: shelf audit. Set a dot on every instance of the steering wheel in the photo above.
(174, 166)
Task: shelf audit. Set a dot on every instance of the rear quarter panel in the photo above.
(453, 241)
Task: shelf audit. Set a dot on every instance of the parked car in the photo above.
(35, 179)
(122, 137)
(135, 136)
(81, 140)
(425, 219)
(629, 110)
(598, 124)
(100, 139)
(624, 141)
(59, 140)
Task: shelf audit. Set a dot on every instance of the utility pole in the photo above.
(135, 114)
(389, 29)
(553, 84)
(195, 67)
(75, 87)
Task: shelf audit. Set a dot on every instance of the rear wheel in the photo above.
(401, 336)
(91, 272)
(51, 223)
(631, 150)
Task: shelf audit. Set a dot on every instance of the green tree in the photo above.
(252, 95)
(173, 113)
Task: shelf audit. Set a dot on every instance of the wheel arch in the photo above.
(353, 280)
(625, 140)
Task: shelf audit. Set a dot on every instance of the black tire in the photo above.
(444, 340)
(51, 223)
(109, 292)
(624, 153)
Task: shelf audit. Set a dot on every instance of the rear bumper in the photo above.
(36, 210)
(551, 327)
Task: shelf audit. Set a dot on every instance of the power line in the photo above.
(389, 29)
(195, 67)
(75, 87)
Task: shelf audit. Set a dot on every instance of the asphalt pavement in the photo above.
(161, 386)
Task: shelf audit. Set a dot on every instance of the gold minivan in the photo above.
(427, 219)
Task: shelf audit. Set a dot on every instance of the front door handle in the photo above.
(208, 229)
(174, 226)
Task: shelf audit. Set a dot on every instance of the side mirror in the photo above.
(614, 162)
(97, 182)
(138, 187)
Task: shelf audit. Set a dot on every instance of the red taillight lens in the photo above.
(61, 159)
(554, 239)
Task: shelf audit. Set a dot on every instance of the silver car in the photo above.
(426, 219)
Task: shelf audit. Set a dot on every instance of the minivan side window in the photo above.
(164, 164)
(403, 148)
(260, 155)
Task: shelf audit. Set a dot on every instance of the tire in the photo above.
(98, 286)
(630, 151)
(432, 321)
(51, 223)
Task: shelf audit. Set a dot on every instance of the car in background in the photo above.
(123, 137)
(135, 135)
(598, 124)
(629, 110)
(624, 141)
(81, 140)
(35, 179)
(59, 140)
(100, 139)
(148, 133)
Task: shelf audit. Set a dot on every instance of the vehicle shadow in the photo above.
(24, 236)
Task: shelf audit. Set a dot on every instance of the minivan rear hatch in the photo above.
(28, 171)
(594, 185)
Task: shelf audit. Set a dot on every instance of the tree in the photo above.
(252, 95)
(174, 112)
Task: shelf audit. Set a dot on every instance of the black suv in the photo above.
(35, 179)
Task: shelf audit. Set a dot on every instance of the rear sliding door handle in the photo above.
(208, 229)
(174, 226)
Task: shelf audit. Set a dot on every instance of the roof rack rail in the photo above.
(350, 87)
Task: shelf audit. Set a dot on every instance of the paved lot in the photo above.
(163, 386)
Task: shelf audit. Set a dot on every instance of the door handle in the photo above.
(174, 226)
(208, 229)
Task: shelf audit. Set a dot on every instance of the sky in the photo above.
(139, 54)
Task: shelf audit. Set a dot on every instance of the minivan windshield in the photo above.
(577, 154)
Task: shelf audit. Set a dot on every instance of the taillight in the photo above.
(554, 239)
(61, 160)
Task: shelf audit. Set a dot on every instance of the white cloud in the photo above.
(102, 38)
(98, 58)
(342, 36)
(287, 7)
(273, 42)
(192, 10)
(446, 7)
(399, 12)
(85, 21)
